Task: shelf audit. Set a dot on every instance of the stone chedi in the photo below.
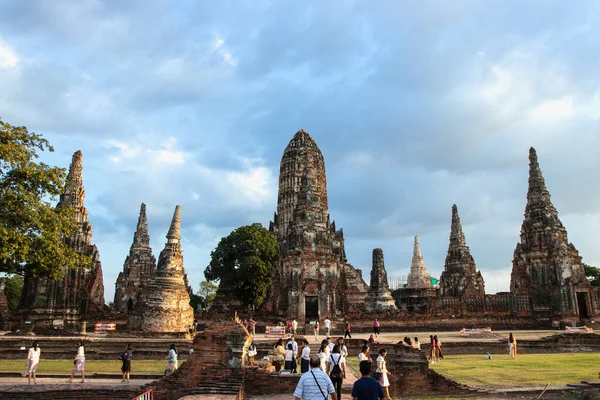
(418, 277)
(379, 297)
(460, 277)
(81, 290)
(545, 265)
(165, 306)
(139, 268)
(312, 278)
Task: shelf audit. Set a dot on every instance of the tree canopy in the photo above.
(243, 262)
(593, 274)
(31, 228)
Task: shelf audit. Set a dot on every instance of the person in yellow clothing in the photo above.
(512, 346)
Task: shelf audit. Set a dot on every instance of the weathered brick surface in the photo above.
(81, 290)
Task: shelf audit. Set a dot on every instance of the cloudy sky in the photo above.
(415, 106)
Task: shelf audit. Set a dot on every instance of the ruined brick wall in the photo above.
(215, 367)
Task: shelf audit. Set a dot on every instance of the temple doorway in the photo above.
(311, 308)
(582, 305)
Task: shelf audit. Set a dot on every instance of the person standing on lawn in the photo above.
(366, 388)
(172, 362)
(33, 359)
(79, 363)
(512, 346)
(126, 358)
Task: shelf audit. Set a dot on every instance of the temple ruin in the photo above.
(164, 307)
(460, 277)
(138, 270)
(312, 278)
(418, 276)
(546, 266)
(46, 302)
(379, 297)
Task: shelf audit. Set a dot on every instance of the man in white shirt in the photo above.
(315, 384)
(327, 324)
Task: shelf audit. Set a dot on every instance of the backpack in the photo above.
(336, 371)
(122, 356)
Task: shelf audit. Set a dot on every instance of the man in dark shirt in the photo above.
(367, 388)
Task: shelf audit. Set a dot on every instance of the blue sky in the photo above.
(415, 106)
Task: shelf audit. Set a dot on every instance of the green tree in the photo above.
(243, 261)
(593, 274)
(13, 287)
(207, 292)
(31, 228)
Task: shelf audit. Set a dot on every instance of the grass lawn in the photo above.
(91, 366)
(527, 370)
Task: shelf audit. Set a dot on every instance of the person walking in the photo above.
(315, 385)
(323, 355)
(327, 324)
(172, 363)
(381, 373)
(366, 388)
(336, 368)
(33, 359)
(252, 327)
(304, 357)
(294, 327)
(126, 358)
(431, 349)
(316, 330)
(343, 348)
(512, 346)
(347, 330)
(79, 363)
(364, 354)
(376, 327)
(438, 349)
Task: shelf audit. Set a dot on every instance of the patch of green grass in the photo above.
(91, 366)
(528, 370)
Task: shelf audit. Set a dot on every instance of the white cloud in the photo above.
(218, 45)
(8, 56)
(553, 109)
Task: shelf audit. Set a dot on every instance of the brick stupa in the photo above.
(165, 306)
(138, 270)
(379, 297)
(81, 290)
(460, 277)
(312, 278)
(545, 265)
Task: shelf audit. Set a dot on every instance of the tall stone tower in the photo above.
(379, 297)
(418, 276)
(81, 290)
(139, 268)
(165, 306)
(460, 277)
(312, 278)
(545, 265)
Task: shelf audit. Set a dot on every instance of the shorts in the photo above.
(126, 366)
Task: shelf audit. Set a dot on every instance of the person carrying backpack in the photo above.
(336, 368)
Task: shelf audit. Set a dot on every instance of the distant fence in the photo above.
(149, 395)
